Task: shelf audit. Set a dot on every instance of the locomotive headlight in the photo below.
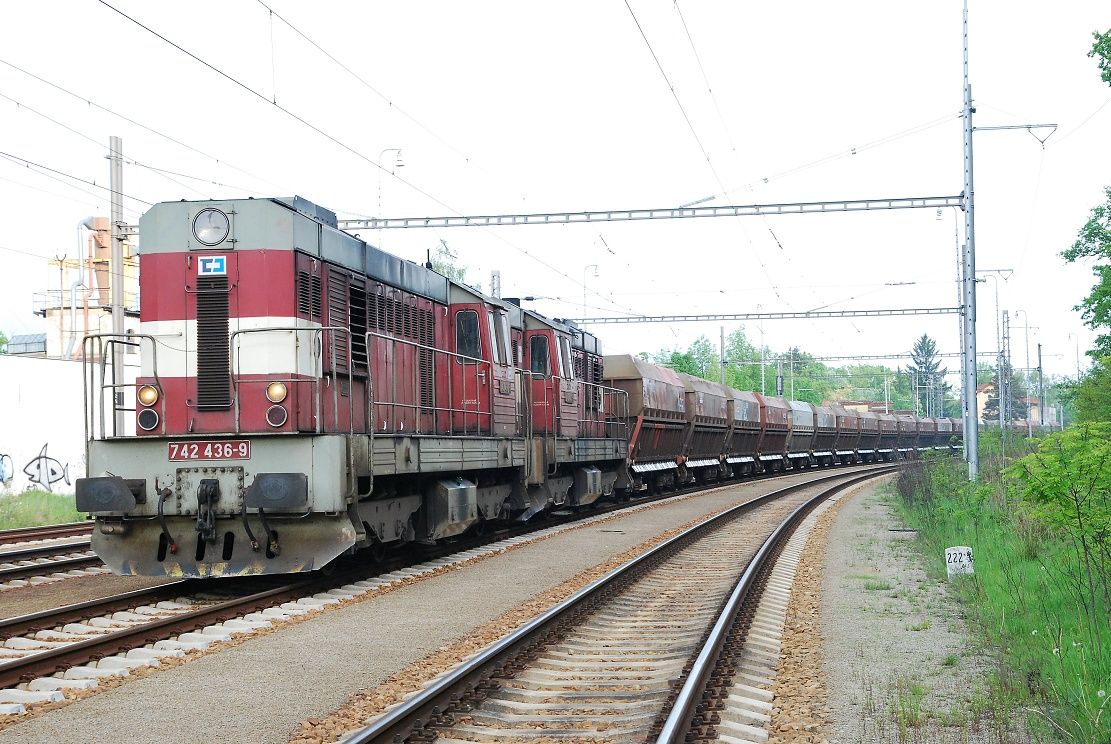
(276, 392)
(148, 395)
(211, 226)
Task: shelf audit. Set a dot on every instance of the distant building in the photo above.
(983, 392)
(80, 303)
(29, 344)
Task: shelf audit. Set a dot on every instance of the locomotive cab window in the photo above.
(564, 357)
(538, 355)
(497, 353)
(467, 341)
(504, 341)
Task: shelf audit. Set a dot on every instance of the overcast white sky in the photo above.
(508, 107)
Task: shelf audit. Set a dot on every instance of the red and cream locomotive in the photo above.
(304, 394)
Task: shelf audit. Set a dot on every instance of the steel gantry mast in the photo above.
(968, 283)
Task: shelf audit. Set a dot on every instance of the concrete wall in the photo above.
(41, 439)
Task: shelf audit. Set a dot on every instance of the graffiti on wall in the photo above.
(7, 470)
(44, 471)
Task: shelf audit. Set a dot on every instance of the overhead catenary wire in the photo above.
(329, 137)
(1081, 125)
(694, 132)
(133, 122)
(385, 98)
(288, 112)
(30, 164)
(162, 173)
(101, 204)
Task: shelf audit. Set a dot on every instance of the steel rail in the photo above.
(44, 619)
(431, 703)
(56, 659)
(44, 551)
(49, 567)
(47, 532)
(678, 724)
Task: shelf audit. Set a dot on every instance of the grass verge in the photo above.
(1037, 597)
(36, 508)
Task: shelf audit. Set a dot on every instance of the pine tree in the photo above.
(926, 370)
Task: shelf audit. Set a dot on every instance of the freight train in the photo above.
(304, 394)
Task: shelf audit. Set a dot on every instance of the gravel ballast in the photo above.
(28, 599)
(260, 690)
(898, 661)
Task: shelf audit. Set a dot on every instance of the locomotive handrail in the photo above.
(317, 352)
(97, 346)
(479, 367)
(618, 413)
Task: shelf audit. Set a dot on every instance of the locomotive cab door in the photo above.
(470, 372)
(543, 384)
(503, 383)
(568, 405)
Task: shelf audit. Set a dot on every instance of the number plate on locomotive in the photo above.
(227, 449)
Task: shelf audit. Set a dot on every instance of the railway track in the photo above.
(53, 552)
(650, 649)
(47, 532)
(73, 646)
(45, 560)
(74, 557)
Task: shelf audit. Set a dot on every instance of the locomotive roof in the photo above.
(580, 339)
(287, 223)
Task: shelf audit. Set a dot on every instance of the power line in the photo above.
(674, 95)
(389, 102)
(705, 78)
(1080, 126)
(25, 253)
(160, 172)
(82, 135)
(849, 152)
(709, 162)
(56, 195)
(199, 179)
(329, 137)
(278, 106)
(144, 127)
(31, 164)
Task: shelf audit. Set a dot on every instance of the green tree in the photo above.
(743, 360)
(445, 262)
(871, 382)
(1091, 397)
(1015, 391)
(3, 343)
(1094, 241)
(929, 376)
(1102, 50)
